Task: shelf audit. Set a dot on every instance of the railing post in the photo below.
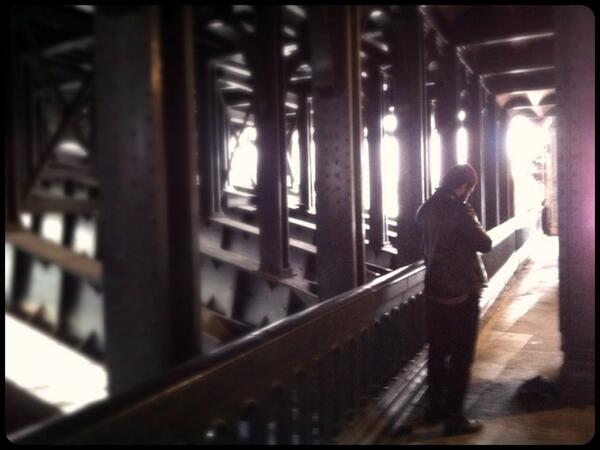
(306, 395)
(325, 392)
(257, 418)
(283, 415)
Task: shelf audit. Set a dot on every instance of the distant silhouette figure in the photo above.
(545, 218)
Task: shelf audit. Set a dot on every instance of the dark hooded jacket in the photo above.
(451, 236)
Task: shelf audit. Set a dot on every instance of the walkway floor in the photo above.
(519, 341)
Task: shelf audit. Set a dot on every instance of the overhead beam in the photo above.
(541, 79)
(488, 60)
(56, 17)
(493, 24)
(81, 43)
(38, 204)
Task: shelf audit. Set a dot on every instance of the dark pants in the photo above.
(452, 332)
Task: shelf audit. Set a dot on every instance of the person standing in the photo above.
(451, 237)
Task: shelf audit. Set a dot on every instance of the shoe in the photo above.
(461, 425)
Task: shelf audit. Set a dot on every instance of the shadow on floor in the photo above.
(486, 401)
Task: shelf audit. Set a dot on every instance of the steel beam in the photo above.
(69, 285)
(447, 108)
(146, 164)
(334, 33)
(304, 125)
(270, 120)
(69, 116)
(374, 113)
(208, 146)
(408, 75)
(474, 126)
(575, 95)
(13, 127)
(503, 167)
(503, 23)
(488, 60)
(490, 167)
(529, 81)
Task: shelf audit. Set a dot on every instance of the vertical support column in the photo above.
(511, 181)
(149, 209)
(447, 108)
(13, 147)
(503, 167)
(408, 71)
(69, 284)
(334, 33)
(489, 139)
(373, 115)
(430, 80)
(474, 125)
(270, 121)
(222, 130)
(575, 93)
(304, 145)
(208, 144)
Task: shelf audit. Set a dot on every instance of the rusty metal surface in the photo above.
(576, 194)
(474, 125)
(269, 97)
(360, 307)
(373, 115)
(408, 74)
(340, 258)
(490, 162)
(149, 234)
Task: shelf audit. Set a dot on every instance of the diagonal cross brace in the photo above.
(70, 113)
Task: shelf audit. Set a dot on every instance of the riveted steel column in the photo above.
(431, 79)
(408, 73)
(208, 135)
(489, 137)
(373, 116)
(304, 144)
(12, 142)
(503, 167)
(447, 108)
(575, 94)
(269, 102)
(146, 164)
(474, 125)
(334, 33)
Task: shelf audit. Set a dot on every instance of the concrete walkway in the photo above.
(518, 342)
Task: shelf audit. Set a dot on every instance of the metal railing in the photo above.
(295, 381)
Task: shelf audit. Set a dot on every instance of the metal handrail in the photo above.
(208, 379)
